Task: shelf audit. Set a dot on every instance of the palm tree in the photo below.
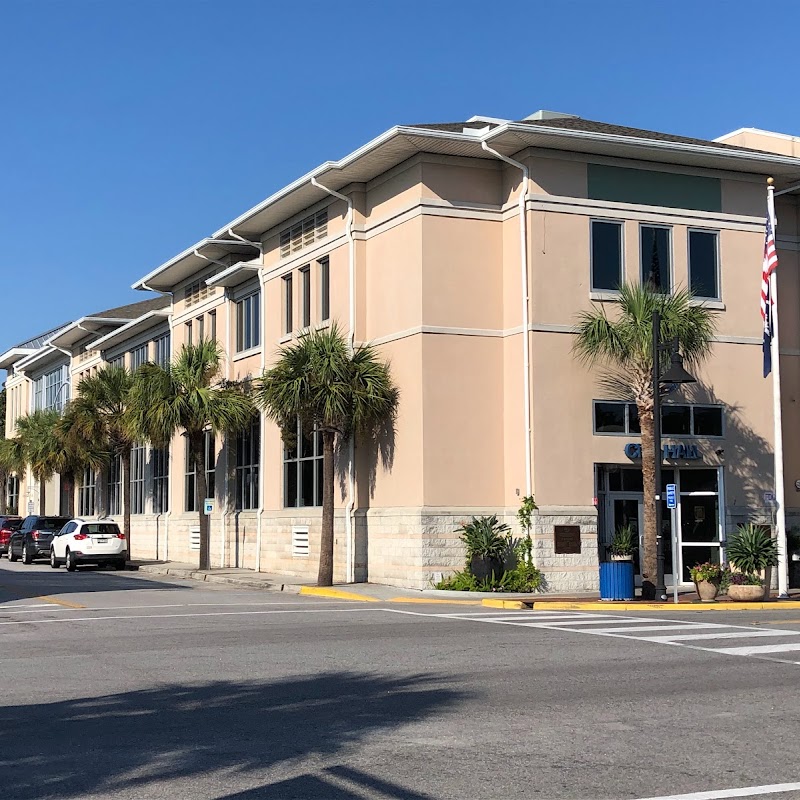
(624, 347)
(328, 388)
(12, 460)
(37, 435)
(188, 396)
(99, 414)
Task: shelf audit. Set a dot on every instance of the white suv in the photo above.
(88, 542)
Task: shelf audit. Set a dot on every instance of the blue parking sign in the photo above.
(672, 496)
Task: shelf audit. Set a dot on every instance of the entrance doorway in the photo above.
(698, 515)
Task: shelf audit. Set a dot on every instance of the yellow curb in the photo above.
(600, 606)
(492, 603)
(57, 602)
(425, 601)
(337, 594)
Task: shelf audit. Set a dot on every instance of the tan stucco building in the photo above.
(416, 242)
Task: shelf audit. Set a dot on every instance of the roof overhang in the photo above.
(40, 357)
(234, 275)
(14, 355)
(75, 331)
(402, 142)
(132, 328)
(187, 263)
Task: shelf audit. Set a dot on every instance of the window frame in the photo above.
(159, 472)
(162, 347)
(620, 224)
(87, 496)
(140, 351)
(691, 406)
(288, 303)
(670, 249)
(305, 296)
(247, 483)
(324, 275)
(248, 321)
(717, 268)
(190, 476)
(114, 486)
(138, 478)
(297, 462)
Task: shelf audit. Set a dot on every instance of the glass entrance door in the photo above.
(699, 518)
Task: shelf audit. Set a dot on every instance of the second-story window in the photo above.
(704, 264)
(138, 356)
(305, 288)
(248, 325)
(606, 255)
(187, 328)
(51, 390)
(656, 257)
(288, 323)
(161, 348)
(324, 289)
(212, 324)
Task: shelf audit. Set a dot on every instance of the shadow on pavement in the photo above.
(32, 582)
(231, 731)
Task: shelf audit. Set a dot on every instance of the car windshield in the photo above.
(101, 527)
(52, 524)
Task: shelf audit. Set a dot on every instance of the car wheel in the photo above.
(120, 565)
(71, 565)
(27, 558)
(11, 556)
(53, 559)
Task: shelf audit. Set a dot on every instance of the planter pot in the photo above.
(616, 580)
(746, 594)
(707, 590)
(622, 558)
(483, 568)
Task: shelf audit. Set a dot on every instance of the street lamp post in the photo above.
(675, 373)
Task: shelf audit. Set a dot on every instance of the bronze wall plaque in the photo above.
(567, 538)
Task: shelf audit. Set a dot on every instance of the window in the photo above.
(137, 479)
(210, 461)
(248, 325)
(12, 494)
(606, 255)
(159, 458)
(704, 263)
(52, 389)
(212, 324)
(287, 304)
(304, 233)
(86, 493)
(656, 257)
(115, 486)
(161, 348)
(324, 289)
(248, 446)
(138, 356)
(618, 417)
(188, 332)
(201, 328)
(117, 361)
(305, 289)
(302, 470)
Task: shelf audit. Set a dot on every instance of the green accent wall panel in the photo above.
(651, 188)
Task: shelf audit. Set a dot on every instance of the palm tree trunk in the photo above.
(325, 576)
(649, 565)
(42, 498)
(69, 480)
(126, 497)
(3, 491)
(196, 445)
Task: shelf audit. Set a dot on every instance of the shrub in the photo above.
(485, 537)
(742, 579)
(707, 572)
(624, 541)
(752, 548)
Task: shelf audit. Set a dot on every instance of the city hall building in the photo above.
(465, 252)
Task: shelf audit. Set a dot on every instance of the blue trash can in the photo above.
(616, 580)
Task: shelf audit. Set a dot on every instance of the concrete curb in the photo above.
(541, 605)
(336, 594)
(210, 577)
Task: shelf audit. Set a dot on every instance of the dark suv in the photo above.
(33, 538)
(7, 526)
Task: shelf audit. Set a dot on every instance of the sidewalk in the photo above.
(378, 593)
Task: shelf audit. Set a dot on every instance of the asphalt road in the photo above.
(120, 686)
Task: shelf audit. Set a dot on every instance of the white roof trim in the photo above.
(78, 324)
(759, 131)
(113, 338)
(13, 355)
(221, 279)
(38, 355)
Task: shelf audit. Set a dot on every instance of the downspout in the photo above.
(526, 355)
(262, 455)
(226, 480)
(350, 505)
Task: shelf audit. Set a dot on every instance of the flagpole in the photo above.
(780, 516)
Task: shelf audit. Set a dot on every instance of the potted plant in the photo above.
(487, 542)
(745, 588)
(623, 544)
(753, 551)
(707, 578)
(616, 576)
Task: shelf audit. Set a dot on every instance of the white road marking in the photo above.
(639, 628)
(759, 649)
(724, 794)
(31, 609)
(608, 621)
(725, 635)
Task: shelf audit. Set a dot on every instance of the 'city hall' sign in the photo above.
(670, 452)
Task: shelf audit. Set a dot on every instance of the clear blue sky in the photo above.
(131, 128)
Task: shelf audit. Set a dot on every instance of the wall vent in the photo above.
(300, 541)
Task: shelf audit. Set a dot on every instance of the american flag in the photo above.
(768, 267)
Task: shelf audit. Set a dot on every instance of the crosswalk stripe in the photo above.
(531, 618)
(638, 628)
(682, 637)
(758, 649)
(556, 625)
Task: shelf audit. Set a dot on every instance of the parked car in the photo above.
(7, 526)
(33, 538)
(88, 542)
